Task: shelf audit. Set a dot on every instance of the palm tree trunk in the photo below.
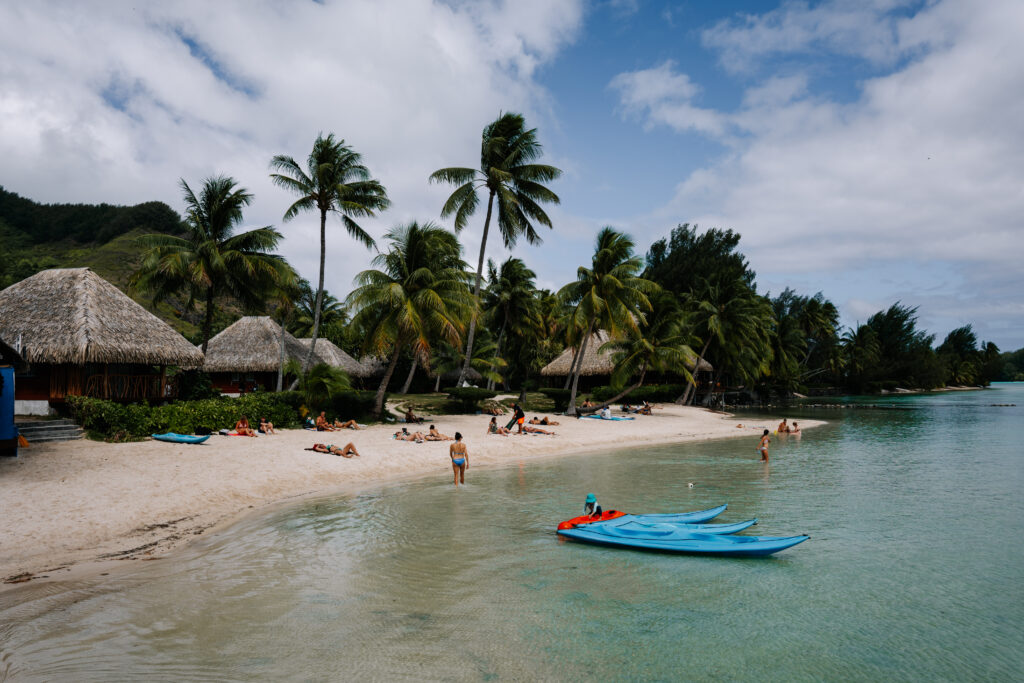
(437, 384)
(208, 319)
(576, 375)
(501, 336)
(711, 389)
(378, 407)
(319, 292)
(476, 293)
(280, 360)
(412, 371)
(691, 388)
(572, 368)
(614, 399)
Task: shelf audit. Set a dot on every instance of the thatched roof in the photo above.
(472, 375)
(595, 361)
(332, 355)
(252, 344)
(374, 366)
(72, 315)
(10, 356)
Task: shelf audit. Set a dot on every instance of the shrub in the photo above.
(560, 397)
(195, 385)
(658, 393)
(120, 421)
(468, 398)
(353, 404)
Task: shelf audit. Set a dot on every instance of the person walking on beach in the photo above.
(762, 447)
(460, 459)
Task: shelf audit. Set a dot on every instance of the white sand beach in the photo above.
(82, 502)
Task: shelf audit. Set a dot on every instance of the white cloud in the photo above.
(925, 165)
(114, 102)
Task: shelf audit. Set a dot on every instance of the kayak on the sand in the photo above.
(180, 438)
(675, 518)
(613, 417)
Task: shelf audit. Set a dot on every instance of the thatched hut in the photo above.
(82, 336)
(595, 362)
(329, 352)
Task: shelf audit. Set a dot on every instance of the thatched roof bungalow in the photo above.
(81, 335)
(595, 362)
(246, 355)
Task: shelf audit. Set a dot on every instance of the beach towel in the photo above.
(613, 417)
(511, 422)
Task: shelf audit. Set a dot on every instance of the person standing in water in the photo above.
(762, 447)
(590, 506)
(460, 459)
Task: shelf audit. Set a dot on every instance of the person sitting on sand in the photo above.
(410, 418)
(434, 435)
(645, 409)
(346, 452)
(494, 428)
(322, 425)
(783, 428)
(590, 506)
(626, 408)
(534, 430)
(351, 424)
(546, 422)
(242, 427)
(762, 447)
(587, 404)
(605, 413)
(266, 427)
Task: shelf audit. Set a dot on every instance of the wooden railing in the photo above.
(128, 387)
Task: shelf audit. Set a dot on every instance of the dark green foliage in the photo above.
(351, 405)
(664, 393)
(195, 385)
(468, 398)
(1009, 367)
(560, 397)
(688, 261)
(83, 223)
(121, 422)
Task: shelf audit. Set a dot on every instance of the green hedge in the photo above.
(659, 393)
(467, 399)
(120, 422)
(560, 397)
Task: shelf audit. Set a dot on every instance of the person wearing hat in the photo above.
(590, 507)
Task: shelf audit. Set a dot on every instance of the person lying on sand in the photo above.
(494, 428)
(535, 430)
(434, 435)
(404, 435)
(411, 418)
(242, 427)
(322, 425)
(537, 421)
(346, 452)
(266, 427)
(351, 424)
(493, 410)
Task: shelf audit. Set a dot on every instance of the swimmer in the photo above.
(460, 459)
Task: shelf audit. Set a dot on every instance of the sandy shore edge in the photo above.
(85, 506)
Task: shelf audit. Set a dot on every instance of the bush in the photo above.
(195, 385)
(658, 393)
(560, 397)
(353, 405)
(466, 399)
(119, 421)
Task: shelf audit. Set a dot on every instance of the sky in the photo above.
(872, 151)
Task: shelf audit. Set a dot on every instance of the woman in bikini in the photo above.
(347, 452)
(351, 424)
(493, 428)
(546, 422)
(434, 435)
(535, 430)
(762, 447)
(242, 427)
(460, 459)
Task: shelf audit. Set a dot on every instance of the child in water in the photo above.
(590, 506)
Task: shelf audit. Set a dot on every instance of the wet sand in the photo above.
(85, 502)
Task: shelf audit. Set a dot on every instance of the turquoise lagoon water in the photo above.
(915, 571)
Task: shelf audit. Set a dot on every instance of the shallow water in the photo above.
(914, 571)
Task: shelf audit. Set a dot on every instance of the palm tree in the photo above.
(486, 361)
(508, 174)
(417, 293)
(333, 314)
(661, 344)
(609, 295)
(210, 260)
(861, 353)
(335, 181)
(510, 300)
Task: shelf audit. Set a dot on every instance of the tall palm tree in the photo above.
(333, 314)
(507, 173)
(510, 300)
(416, 293)
(211, 260)
(334, 181)
(609, 295)
(660, 344)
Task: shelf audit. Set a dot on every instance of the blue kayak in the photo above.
(180, 438)
(613, 417)
(682, 517)
(667, 538)
(636, 522)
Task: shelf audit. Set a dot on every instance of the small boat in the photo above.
(613, 417)
(634, 522)
(180, 438)
(668, 538)
(676, 518)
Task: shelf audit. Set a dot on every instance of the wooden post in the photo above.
(106, 384)
(163, 382)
